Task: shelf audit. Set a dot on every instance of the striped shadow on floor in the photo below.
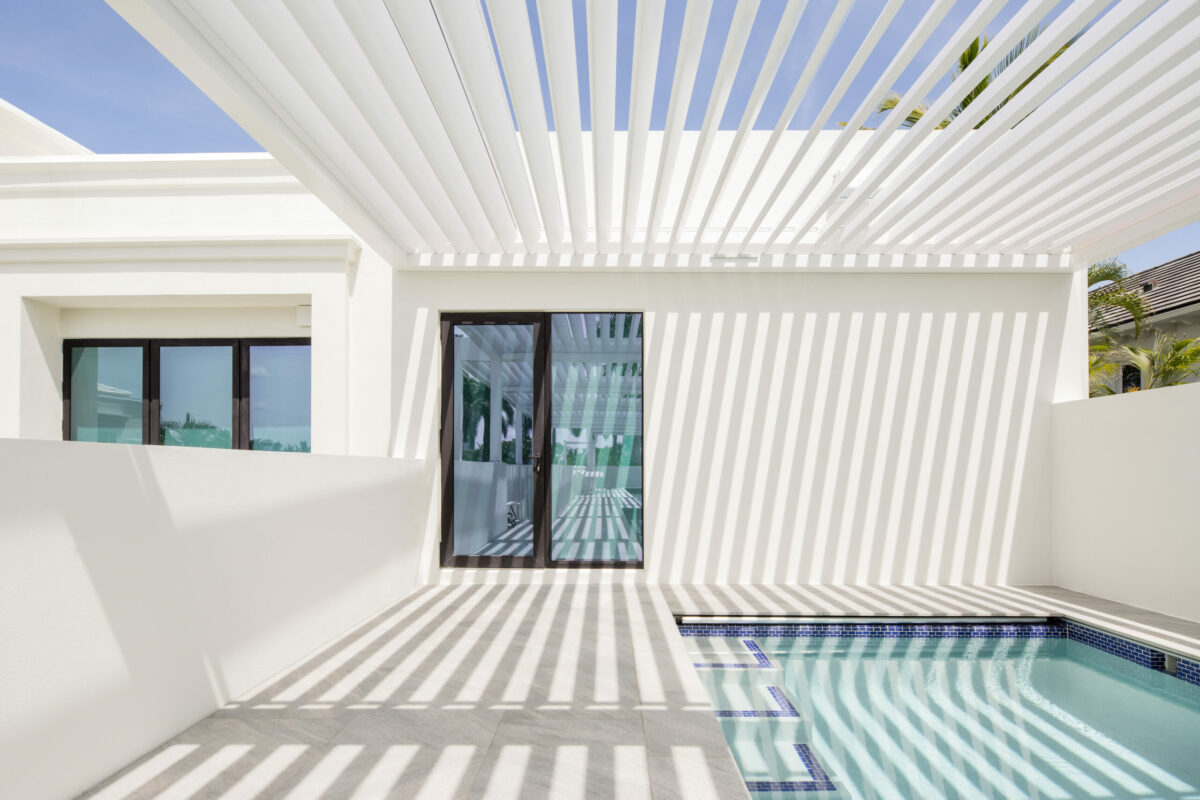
(596, 526)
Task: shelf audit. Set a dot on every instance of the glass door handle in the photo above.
(537, 464)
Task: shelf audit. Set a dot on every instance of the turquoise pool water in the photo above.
(926, 718)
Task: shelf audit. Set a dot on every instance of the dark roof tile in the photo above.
(1175, 285)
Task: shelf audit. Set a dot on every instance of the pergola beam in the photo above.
(691, 43)
(397, 115)
(909, 204)
(815, 59)
(514, 39)
(602, 83)
(646, 39)
(933, 72)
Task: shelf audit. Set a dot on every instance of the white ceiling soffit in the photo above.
(711, 126)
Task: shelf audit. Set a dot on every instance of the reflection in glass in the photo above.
(196, 396)
(106, 394)
(280, 398)
(596, 430)
(493, 440)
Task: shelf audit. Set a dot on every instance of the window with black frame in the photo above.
(248, 394)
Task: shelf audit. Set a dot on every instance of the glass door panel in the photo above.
(195, 385)
(492, 426)
(596, 437)
(106, 394)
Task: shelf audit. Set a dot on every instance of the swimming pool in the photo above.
(992, 712)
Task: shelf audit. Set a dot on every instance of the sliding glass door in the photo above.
(542, 439)
(596, 433)
(491, 456)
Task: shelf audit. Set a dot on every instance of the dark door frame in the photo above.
(541, 411)
(542, 446)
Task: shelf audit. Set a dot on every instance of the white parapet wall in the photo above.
(1124, 498)
(147, 586)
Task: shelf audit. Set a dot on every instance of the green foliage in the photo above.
(476, 406)
(1170, 362)
(277, 446)
(1103, 367)
(193, 432)
(965, 59)
(1105, 358)
(1111, 299)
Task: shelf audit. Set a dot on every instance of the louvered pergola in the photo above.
(396, 114)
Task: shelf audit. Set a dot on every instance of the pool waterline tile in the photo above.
(1059, 628)
(1188, 671)
(820, 781)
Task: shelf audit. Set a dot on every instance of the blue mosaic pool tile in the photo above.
(819, 783)
(1188, 671)
(761, 661)
(786, 709)
(1140, 654)
(878, 630)
(1115, 645)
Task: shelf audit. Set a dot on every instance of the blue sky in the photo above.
(79, 67)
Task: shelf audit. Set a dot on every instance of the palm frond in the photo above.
(892, 100)
(1019, 48)
(1111, 269)
(1109, 300)
(1102, 368)
(1170, 362)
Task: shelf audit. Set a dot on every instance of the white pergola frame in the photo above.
(395, 114)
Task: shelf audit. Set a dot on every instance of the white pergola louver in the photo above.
(397, 113)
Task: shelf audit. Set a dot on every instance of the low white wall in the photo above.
(1124, 498)
(147, 586)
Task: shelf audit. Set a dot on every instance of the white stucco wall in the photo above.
(143, 587)
(1124, 485)
(837, 419)
(811, 428)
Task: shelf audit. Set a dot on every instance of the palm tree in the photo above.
(1111, 300)
(1170, 362)
(1104, 357)
(965, 59)
(1102, 368)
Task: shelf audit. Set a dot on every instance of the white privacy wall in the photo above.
(1125, 511)
(805, 428)
(146, 586)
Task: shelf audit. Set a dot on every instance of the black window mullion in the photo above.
(543, 515)
(146, 394)
(241, 388)
(153, 407)
(235, 401)
(66, 392)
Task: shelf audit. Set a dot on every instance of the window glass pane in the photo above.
(596, 437)
(280, 397)
(196, 396)
(493, 440)
(106, 394)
